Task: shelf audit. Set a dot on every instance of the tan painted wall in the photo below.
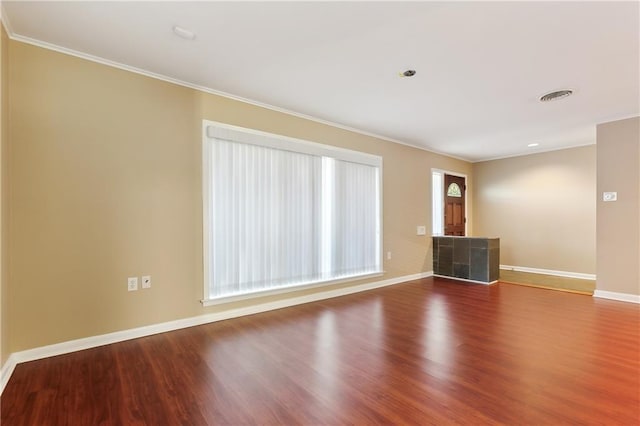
(4, 197)
(105, 184)
(542, 207)
(618, 229)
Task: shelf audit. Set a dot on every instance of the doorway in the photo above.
(448, 196)
(455, 217)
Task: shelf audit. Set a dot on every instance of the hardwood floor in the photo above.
(431, 351)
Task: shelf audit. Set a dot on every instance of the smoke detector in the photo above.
(184, 33)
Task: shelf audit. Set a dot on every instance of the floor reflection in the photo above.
(438, 338)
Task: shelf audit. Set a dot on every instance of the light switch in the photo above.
(422, 230)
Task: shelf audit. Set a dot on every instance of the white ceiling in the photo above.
(481, 66)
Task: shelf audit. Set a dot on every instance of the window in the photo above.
(282, 213)
(454, 190)
(437, 214)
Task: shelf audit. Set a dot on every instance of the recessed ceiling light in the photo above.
(408, 73)
(531, 145)
(184, 33)
(554, 96)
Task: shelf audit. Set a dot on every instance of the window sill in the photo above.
(285, 290)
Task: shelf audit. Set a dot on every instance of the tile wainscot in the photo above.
(475, 259)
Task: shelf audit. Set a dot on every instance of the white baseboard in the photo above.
(566, 274)
(6, 371)
(612, 295)
(134, 333)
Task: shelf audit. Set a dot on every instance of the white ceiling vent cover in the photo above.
(554, 96)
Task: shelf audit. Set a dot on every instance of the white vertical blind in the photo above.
(355, 248)
(264, 228)
(278, 218)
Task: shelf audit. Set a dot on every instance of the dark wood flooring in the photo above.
(426, 352)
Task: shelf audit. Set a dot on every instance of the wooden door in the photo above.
(454, 211)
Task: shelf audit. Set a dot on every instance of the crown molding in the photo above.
(540, 151)
(97, 59)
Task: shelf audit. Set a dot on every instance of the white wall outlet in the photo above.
(421, 230)
(388, 255)
(146, 281)
(609, 196)
(132, 283)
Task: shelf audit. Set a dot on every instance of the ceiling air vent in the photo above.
(407, 73)
(554, 96)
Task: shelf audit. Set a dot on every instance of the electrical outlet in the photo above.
(421, 230)
(609, 196)
(146, 281)
(132, 283)
(388, 255)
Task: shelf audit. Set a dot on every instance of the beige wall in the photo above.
(542, 207)
(618, 228)
(4, 197)
(105, 184)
